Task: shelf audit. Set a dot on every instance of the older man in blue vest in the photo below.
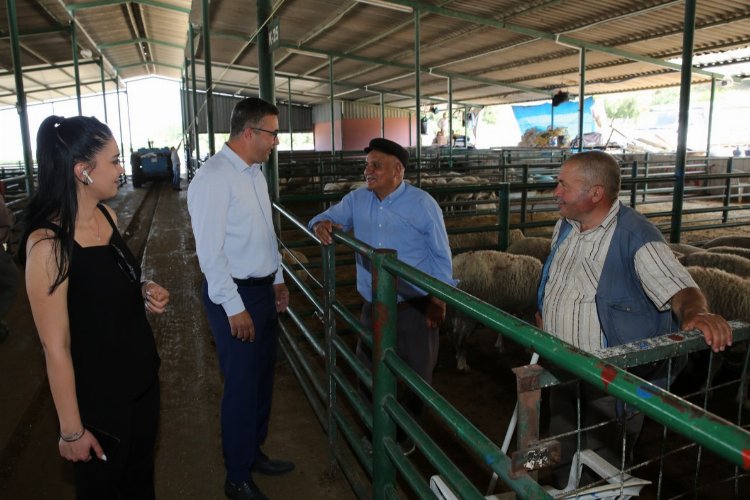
(611, 279)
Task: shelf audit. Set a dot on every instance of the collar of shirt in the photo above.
(238, 163)
(604, 224)
(393, 196)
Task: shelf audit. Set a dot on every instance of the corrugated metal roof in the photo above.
(493, 51)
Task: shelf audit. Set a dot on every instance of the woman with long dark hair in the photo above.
(87, 298)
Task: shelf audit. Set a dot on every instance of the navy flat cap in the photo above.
(389, 148)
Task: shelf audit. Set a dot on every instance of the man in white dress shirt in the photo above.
(244, 289)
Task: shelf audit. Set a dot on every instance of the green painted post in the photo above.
(418, 91)
(333, 118)
(382, 114)
(267, 91)
(710, 117)
(384, 381)
(209, 77)
(195, 102)
(727, 191)
(503, 215)
(289, 115)
(681, 155)
(23, 116)
(634, 186)
(76, 73)
(450, 122)
(104, 89)
(329, 299)
(581, 95)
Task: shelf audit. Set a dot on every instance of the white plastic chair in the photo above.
(620, 486)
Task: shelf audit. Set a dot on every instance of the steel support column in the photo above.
(333, 119)
(289, 114)
(418, 92)
(77, 76)
(681, 156)
(267, 92)
(382, 115)
(196, 111)
(23, 116)
(119, 115)
(450, 122)
(710, 117)
(209, 78)
(104, 89)
(581, 96)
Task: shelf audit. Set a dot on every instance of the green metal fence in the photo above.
(332, 376)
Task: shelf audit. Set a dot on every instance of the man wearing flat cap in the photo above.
(389, 213)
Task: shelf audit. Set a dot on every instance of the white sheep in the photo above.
(481, 239)
(296, 260)
(739, 266)
(727, 294)
(728, 241)
(533, 246)
(739, 251)
(684, 248)
(503, 280)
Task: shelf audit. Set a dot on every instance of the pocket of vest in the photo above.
(629, 322)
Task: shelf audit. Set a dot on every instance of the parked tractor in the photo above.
(150, 164)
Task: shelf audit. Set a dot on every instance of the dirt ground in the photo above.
(189, 463)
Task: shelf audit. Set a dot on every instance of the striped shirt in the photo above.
(570, 295)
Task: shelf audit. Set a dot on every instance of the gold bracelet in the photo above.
(73, 437)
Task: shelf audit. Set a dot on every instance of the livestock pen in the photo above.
(458, 447)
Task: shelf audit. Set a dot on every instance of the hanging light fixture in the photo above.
(560, 98)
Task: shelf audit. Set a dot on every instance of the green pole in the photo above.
(418, 92)
(681, 155)
(209, 78)
(581, 95)
(23, 116)
(119, 114)
(384, 381)
(289, 115)
(710, 117)
(74, 43)
(450, 122)
(104, 89)
(196, 112)
(382, 114)
(333, 119)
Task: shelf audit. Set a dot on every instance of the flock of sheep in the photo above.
(508, 280)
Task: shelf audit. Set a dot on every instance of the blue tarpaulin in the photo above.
(566, 115)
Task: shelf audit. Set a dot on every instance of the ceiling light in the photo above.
(387, 5)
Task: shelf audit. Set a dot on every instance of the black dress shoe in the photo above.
(271, 467)
(245, 490)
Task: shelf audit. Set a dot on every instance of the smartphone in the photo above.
(107, 441)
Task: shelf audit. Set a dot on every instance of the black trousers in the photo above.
(128, 472)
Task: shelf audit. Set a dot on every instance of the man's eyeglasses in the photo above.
(124, 265)
(274, 133)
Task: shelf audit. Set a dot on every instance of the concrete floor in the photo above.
(189, 464)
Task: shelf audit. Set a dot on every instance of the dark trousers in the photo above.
(9, 275)
(248, 369)
(415, 344)
(128, 472)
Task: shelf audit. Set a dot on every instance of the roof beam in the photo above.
(558, 38)
(382, 62)
(149, 63)
(133, 41)
(72, 8)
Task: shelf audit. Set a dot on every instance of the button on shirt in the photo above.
(230, 212)
(408, 220)
(570, 311)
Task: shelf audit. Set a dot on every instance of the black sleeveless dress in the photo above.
(112, 344)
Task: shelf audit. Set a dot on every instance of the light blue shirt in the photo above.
(230, 212)
(408, 220)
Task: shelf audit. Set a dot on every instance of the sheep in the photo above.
(739, 266)
(727, 294)
(728, 241)
(481, 239)
(536, 247)
(296, 260)
(504, 280)
(684, 249)
(739, 251)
